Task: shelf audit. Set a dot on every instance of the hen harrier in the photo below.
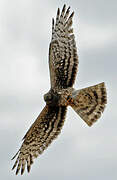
(89, 103)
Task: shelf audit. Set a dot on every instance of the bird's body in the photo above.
(60, 98)
(89, 103)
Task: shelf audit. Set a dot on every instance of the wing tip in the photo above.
(58, 12)
(14, 156)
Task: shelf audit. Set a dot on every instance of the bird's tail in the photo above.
(89, 103)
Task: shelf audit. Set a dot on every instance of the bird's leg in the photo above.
(65, 96)
(70, 100)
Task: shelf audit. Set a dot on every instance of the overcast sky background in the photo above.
(79, 152)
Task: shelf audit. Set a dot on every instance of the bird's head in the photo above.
(51, 99)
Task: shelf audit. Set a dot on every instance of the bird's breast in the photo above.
(59, 98)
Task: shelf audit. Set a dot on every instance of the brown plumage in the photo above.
(88, 103)
(46, 128)
(63, 59)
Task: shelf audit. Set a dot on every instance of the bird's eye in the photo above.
(47, 97)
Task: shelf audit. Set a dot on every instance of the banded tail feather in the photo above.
(89, 103)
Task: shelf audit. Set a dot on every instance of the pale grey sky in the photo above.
(79, 152)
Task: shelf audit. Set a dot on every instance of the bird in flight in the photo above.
(88, 103)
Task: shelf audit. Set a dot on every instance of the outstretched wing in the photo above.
(63, 59)
(89, 103)
(46, 128)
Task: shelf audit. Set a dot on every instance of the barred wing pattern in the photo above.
(89, 103)
(42, 132)
(63, 59)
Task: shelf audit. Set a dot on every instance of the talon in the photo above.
(70, 100)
